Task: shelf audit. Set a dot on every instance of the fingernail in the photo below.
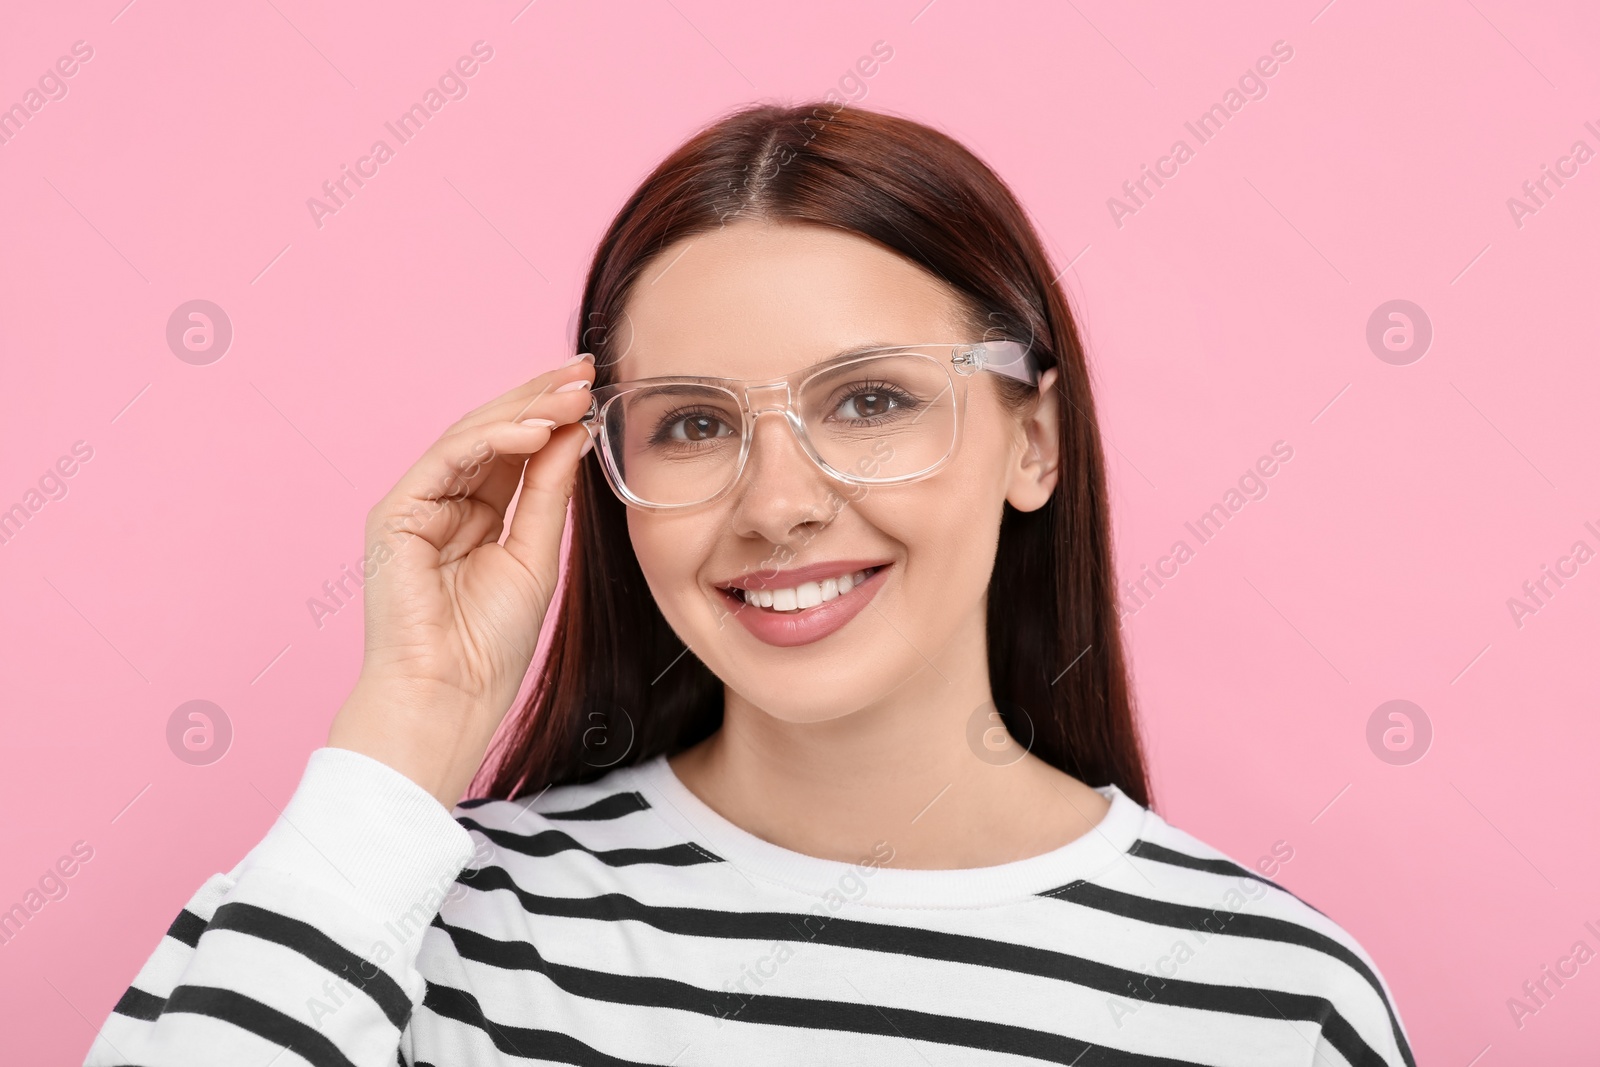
(581, 383)
(538, 422)
(588, 443)
(576, 358)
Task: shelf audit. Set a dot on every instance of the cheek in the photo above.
(977, 474)
(942, 523)
(957, 514)
(671, 551)
(652, 546)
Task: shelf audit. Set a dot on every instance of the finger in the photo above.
(458, 466)
(566, 405)
(538, 392)
(568, 402)
(541, 515)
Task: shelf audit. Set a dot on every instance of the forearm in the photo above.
(311, 942)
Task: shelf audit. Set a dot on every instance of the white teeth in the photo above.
(806, 594)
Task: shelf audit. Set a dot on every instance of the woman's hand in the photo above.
(452, 615)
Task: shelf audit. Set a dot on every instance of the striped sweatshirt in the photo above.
(625, 922)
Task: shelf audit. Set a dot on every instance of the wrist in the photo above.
(429, 735)
(357, 830)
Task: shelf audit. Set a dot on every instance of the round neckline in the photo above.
(866, 883)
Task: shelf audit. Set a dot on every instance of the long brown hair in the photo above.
(617, 686)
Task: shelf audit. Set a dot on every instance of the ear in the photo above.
(1035, 470)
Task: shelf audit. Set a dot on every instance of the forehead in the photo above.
(758, 299)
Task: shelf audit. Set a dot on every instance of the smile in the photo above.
(807, 611)
(806, 594)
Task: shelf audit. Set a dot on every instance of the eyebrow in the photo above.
(857, 350)
(680, 389)
(675, 389)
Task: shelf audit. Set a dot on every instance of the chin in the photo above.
(795, 705)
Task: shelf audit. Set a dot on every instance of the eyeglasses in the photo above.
(874, 417)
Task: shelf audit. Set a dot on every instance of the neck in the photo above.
(911, 770)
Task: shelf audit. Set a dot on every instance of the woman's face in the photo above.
(758, 300)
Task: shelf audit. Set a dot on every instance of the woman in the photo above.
(832, 755)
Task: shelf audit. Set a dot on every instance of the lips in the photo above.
(805, 625)
(806, 595)
(789, 579)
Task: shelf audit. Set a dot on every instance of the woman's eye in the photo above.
(699, 428)
(869, 405)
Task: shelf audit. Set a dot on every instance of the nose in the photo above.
(782, 495)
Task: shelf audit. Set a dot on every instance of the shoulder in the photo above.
(609, 819)
(611, 796)
(1235, 921)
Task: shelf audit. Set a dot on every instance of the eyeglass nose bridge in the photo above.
(776, 396)
(767, 396)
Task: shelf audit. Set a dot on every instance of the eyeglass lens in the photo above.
(875, 419)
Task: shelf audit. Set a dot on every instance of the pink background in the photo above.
(1228, 313)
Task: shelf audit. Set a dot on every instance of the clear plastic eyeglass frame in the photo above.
(1012, 359)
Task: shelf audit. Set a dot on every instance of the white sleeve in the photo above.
(308, 948)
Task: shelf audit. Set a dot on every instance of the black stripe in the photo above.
(265, 1022)
(137, 1004)
(187, 927)
(550, 842)
(463, 1007)
(614, 806)
(804, 1012)
(320, 949)
(942, 946)
(1217, 921)
(1149, 850)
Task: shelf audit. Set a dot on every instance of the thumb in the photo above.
(541, 509)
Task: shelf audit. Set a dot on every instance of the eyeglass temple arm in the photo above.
(1010, 358)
